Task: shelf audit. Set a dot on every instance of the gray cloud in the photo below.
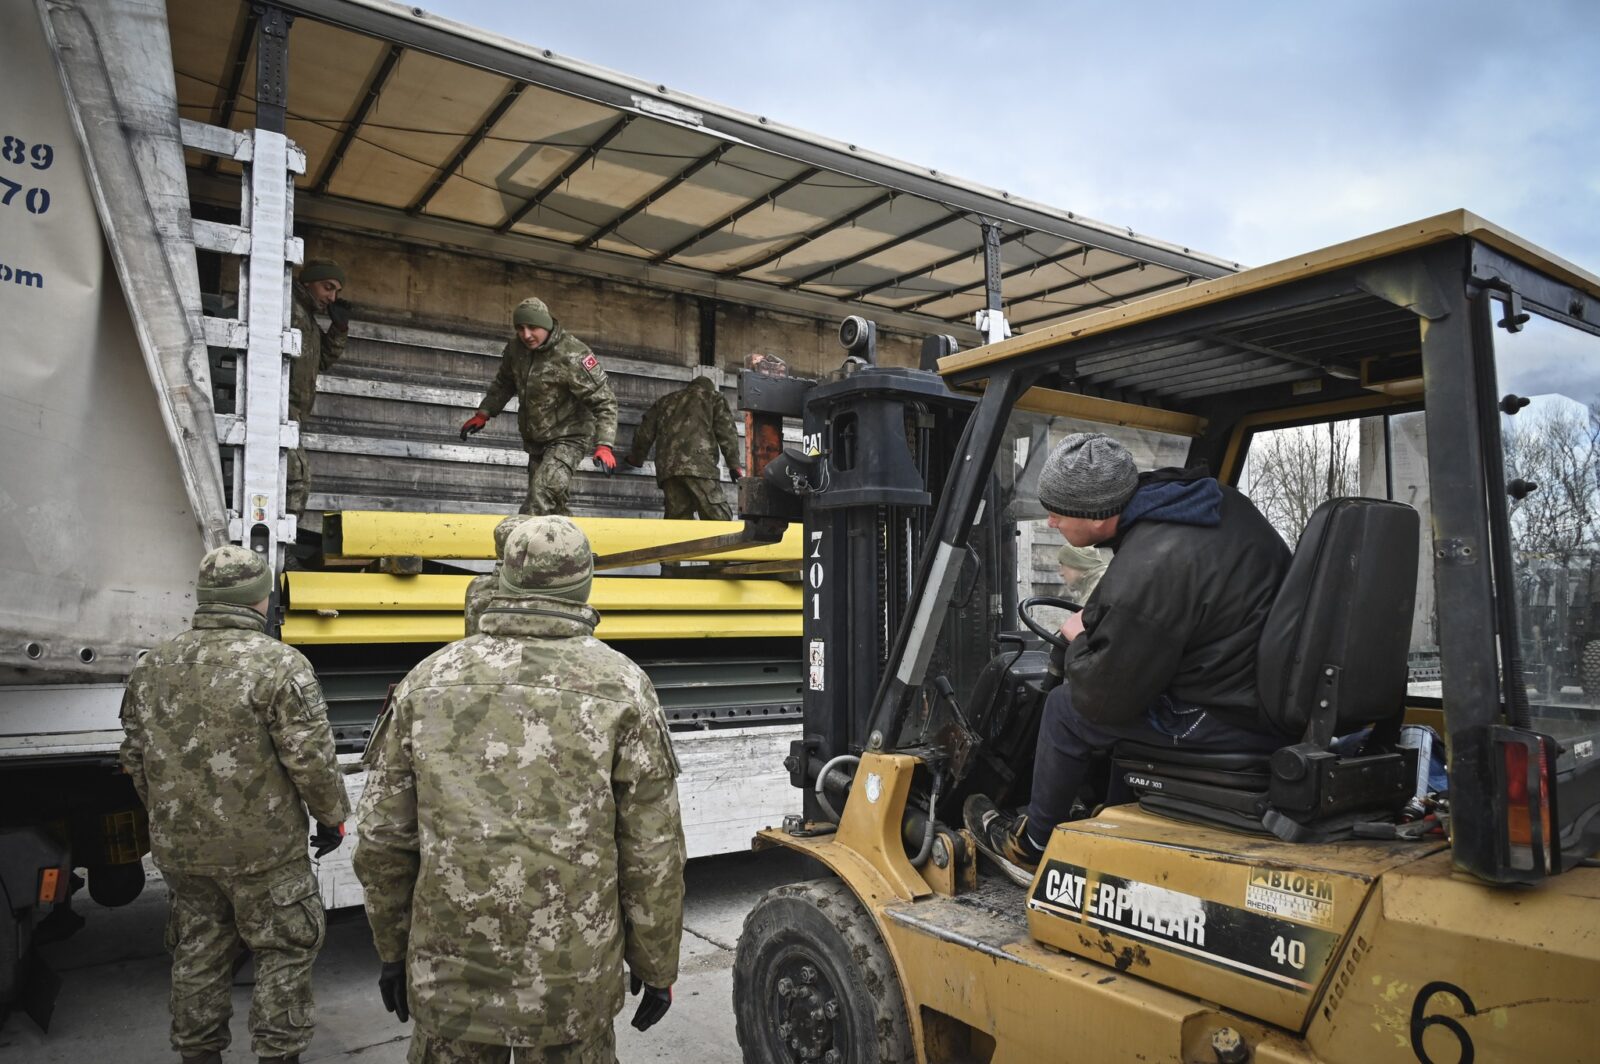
(1250, 130)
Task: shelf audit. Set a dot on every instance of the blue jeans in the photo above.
(1068, 742)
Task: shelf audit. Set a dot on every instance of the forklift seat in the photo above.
(1331, 662)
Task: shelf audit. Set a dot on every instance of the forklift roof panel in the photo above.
(1441, 227)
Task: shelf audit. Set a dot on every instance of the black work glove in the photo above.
(392, 988)
(654, 1005)
(326, 838)
(339, 313)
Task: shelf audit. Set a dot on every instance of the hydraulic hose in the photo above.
(822, 798)
(921, 857)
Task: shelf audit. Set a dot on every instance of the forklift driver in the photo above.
(1165, 653)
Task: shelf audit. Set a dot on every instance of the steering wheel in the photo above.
(1049, 635)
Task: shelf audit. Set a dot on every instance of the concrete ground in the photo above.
(113, 1002)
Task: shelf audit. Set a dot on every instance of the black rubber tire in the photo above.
(820, 928)
(113, 885)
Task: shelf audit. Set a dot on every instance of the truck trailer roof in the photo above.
(534, 156)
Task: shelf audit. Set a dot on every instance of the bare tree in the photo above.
(1555, 447)
(1290, 472)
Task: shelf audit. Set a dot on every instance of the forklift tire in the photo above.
(114, 885)
(813, 983)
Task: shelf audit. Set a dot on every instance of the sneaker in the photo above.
(1000, 836)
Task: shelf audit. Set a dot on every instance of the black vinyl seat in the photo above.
(1331, 662)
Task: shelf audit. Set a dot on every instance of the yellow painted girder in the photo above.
(379, 534)
(379, 591)
(302, 629)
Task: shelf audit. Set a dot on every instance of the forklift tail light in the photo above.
(1526, 763)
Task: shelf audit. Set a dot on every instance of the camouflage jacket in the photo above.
(519, 832)
(687, 428)
(228, 744)
(561, 390)
(479, 591)
(318, 351)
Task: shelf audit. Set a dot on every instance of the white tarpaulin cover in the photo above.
(98, 543)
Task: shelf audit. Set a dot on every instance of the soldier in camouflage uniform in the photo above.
(228, 744)
(315, 291)
(483, 588)
(564, 403)
(687, 428)
(520, 834)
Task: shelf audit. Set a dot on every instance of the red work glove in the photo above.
(474, 423)
(607, 460)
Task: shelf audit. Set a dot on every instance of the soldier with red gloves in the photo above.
(565, 405)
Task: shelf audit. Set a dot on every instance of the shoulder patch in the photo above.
(591, 363)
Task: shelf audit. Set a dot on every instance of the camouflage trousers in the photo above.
(688, 496)
(550, 469)
(297, 486)
(278, 914)
(428, 1049)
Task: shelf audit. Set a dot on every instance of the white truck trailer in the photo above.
(164, 166)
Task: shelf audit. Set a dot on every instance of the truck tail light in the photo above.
(1526, 762)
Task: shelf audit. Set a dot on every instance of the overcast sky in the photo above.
(1252, 131)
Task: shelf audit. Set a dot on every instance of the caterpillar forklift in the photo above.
(1334, 901)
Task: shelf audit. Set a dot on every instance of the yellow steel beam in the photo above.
(378, 533)
(301, 629)
(312, 591)
(1109, 411)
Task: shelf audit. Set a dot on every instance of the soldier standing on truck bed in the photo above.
(316, 290)
(483, 588)
(520, 833)
(228, 744)
(564, 403)
(687, 428)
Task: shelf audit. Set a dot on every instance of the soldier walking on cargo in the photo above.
(520, 833)
(564, 402)
(687, 428)
(316, 290)
(483, 588)
(228, 744)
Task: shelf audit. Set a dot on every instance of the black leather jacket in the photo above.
(1179, 611)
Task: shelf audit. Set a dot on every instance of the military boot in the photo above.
(295, 1059)
(210, 1056)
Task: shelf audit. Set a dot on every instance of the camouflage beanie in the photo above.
(233, 574)
(706, 383)
(533, 312)
(503, 530)
(548, 556)
(322, 270)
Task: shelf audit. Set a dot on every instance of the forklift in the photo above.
(1334, 901)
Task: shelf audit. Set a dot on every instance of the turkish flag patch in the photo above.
(591, 363)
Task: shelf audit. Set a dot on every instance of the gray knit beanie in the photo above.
(1088, 475)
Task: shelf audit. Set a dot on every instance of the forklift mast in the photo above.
(877, 446)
